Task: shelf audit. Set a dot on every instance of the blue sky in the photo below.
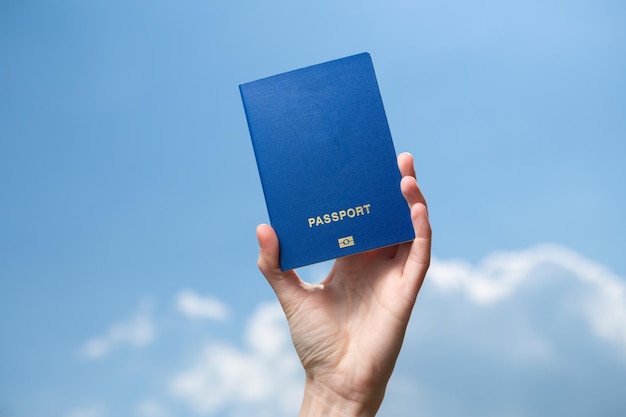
(129, 197)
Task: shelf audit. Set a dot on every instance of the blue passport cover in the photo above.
(326, 161)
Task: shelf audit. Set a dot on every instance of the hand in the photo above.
(348, 330)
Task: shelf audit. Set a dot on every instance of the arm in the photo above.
(348, 330)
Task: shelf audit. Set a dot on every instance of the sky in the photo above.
(129, 196)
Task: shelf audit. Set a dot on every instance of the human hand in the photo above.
(348, 330)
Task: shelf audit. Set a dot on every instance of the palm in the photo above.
(354, 322)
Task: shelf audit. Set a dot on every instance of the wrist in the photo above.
(320, 400)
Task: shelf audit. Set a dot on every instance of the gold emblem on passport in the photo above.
(344, 242)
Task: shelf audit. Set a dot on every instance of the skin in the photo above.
(348, 330)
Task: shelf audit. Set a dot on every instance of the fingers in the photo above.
(412, 194)
(285, 283)
(418, 258)
(405, 163)
(268, 248)
(408, 185)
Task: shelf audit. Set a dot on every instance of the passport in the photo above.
(326, 160)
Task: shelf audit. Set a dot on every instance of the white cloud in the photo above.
(502, 274)
(195, 306)
(137, 331)
(264, 378)
(537, 332)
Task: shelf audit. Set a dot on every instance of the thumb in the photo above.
(286, 284)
